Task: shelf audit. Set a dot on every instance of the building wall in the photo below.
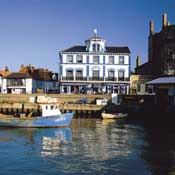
(1, 84)
(138, 84)
(104, 69)
(88, 66)
(45, 86)
(28, 86)
(4, 86)
(161, 50)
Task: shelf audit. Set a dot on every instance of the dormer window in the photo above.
(98, 47)
(94, 47)
(95, 44)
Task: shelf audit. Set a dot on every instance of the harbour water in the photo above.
(88, 146)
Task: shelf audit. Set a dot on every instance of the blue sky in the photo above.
(34, 31)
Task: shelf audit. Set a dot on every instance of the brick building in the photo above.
(161, 51)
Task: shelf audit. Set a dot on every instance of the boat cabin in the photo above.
(50, 109)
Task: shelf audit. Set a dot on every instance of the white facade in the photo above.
(94, 68)
(18, 86)
(1, 83)
(26, 86)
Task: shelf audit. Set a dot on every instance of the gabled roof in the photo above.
(163, 80)
(108, 49)
(18, 75)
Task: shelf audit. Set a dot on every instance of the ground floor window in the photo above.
(65, 89)
(96, 89)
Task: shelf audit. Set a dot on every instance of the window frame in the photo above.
(121, 78)
(121, 61)
(110, 59)
(79, 57)
(69, 71)
(79, 71)
(94, 47)
(69, 57)
(96, 57)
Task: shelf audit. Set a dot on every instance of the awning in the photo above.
(162, 80)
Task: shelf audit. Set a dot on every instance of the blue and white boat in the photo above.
(51, 117)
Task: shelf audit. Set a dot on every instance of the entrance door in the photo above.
(9, 91)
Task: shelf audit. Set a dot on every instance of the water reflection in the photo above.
(89, 146)
(102, 140)
(159, 154)
(52, 145)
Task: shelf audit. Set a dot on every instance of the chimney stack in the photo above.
(137, 61)
(164, 20)
(151, 27)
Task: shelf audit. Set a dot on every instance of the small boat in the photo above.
(113, 116)
(51, 117)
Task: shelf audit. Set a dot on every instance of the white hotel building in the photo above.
(94, 68)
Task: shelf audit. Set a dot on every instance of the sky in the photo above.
(34, 31)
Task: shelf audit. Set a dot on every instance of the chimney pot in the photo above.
(151, 27)
(164, 20)
(137, 61)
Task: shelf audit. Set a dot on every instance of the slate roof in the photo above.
(108, 49)
(163, 80)
(18, 75)
(118, 49)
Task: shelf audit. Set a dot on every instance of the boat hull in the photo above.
(61, 120)
(113, 116)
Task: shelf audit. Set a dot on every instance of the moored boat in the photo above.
(113, 116)
(51, 117)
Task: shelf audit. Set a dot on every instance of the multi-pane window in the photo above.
(121, 59)
(111, 59)
(98, 47)
(94, 47)
(16, 82)
(69, 58)
(111, 74)
(79, 58)
(96, 59)
(69, 74)
(121, 75)
(79, 73)
(95, 74)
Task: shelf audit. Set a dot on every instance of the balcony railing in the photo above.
(81, 78)
(94, 79)
(123, 79)
(68, 78)
(110, 79)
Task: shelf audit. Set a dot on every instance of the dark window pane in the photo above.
(121, 59)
